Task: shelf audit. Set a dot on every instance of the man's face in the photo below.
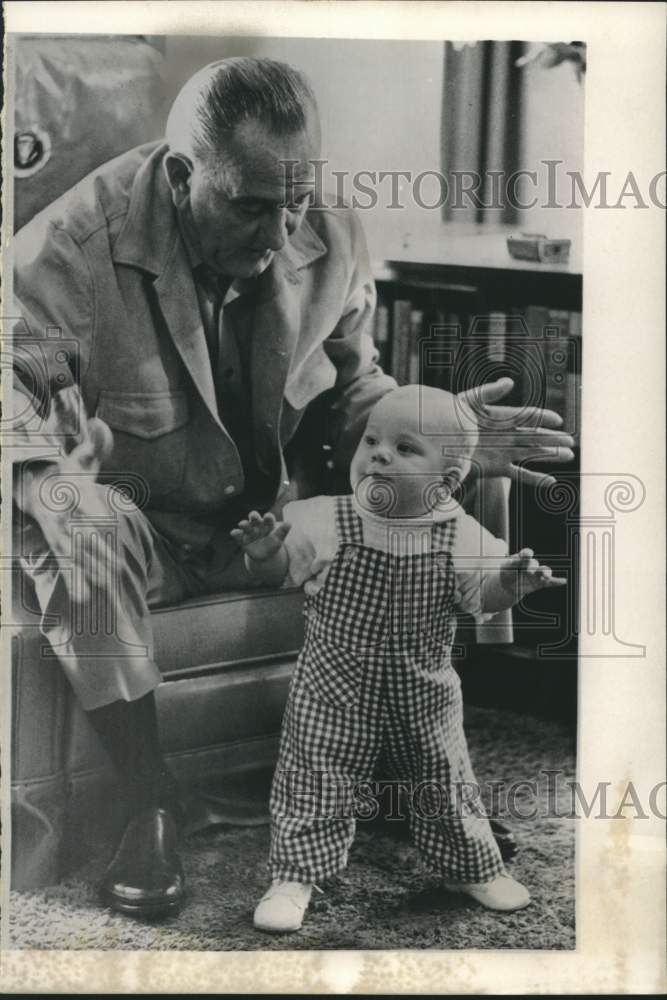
(244, 206)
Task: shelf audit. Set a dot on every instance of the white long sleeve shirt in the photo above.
(312, 543)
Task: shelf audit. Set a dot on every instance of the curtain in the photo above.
(481, 126)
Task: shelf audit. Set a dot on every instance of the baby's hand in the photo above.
(522, 574)
(260, 536)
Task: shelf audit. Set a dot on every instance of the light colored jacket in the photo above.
(107, 266)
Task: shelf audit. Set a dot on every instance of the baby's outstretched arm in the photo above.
(518, 575)
(261, 537)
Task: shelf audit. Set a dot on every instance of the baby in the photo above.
(385, 572)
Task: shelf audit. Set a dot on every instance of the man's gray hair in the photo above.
(224, 94)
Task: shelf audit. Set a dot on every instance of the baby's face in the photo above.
(397, 471)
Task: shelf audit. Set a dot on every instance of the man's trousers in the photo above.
(105, 645)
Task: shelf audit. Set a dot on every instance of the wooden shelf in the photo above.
(476, 261)
(477, 247)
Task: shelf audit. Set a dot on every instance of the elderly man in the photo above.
(221, 330)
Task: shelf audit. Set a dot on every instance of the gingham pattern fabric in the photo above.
(374, 677)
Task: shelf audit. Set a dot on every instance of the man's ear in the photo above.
(178, 169)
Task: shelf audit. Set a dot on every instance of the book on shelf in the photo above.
(553, 379)
(575, 324)
(381, 333)
(456, 330)
(414, 371)
(441, 349)
(400, 339)
(572, 415)
(497, 330)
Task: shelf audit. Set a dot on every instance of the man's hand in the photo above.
(86, 561)
(514, 434)
(522, 574)
(260, 537)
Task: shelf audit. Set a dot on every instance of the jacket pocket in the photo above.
(313, 376)
(149, 431)
(330, 673)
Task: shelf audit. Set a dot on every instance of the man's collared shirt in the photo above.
(230, 359)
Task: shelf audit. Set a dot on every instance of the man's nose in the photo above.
(274, 229)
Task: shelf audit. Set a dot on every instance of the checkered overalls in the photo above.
(375, 675)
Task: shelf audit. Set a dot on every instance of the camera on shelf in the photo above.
(537, 246)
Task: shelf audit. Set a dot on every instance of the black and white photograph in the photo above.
(297, 574)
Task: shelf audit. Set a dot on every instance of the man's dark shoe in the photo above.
(145, 878)
(505, 840)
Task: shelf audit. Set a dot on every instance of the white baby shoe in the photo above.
(502, 893)
(282, 907)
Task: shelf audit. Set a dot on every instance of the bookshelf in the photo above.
(460, 312)
(478, 255)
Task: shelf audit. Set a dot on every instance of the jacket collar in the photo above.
(147, 237)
